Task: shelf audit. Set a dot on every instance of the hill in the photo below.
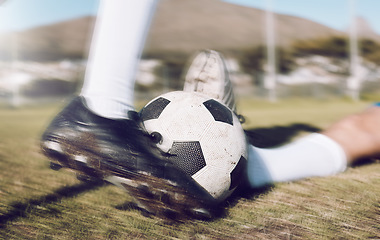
(189, 25)
(179, 27)
(67, 39)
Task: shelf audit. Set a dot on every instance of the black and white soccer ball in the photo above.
(202, 137)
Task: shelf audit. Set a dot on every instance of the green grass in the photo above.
(39, 203)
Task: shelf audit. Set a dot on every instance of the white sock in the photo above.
(315, 155)
(119, 36)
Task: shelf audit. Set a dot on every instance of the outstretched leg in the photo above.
(98, 135)
(317, 155)
(358, 134)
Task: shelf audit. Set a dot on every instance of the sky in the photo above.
(333, 13)
(18, 15)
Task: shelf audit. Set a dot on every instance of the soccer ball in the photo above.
(202, 137)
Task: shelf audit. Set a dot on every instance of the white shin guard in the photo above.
(315, 155)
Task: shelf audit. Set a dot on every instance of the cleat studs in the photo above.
(87, 179)
(54, 151)
(144, 173)
(53, 147)
(156, 137)
(55, 166)
(80, 160)
(121, 182)
(241, 118)
(165, 198)
(170, 214)
(179, 197)
(83, 178)
(145, 191)
(201, 213)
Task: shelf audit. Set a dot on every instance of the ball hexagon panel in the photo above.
(220, 112)
(202, 136)
(224, 144)
(187, 123)
(188, 156)
(154, 109)
(215, 181)
(237, 173)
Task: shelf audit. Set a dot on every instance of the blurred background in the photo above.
(275, 49)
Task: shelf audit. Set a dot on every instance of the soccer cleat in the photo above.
(208, 74)
(120, 152)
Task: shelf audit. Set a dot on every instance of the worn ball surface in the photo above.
(202, 137)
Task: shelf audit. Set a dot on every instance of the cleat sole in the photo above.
(156, 196)
(55, 166)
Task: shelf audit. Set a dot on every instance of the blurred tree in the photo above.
(370, 50)
(330, 47)
(253, 60)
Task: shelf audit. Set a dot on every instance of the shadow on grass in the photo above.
(277, 135)
(365, 161)
(21, 209)
(128, 206)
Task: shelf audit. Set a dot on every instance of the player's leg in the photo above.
(342, 144)
(207, 73)
(314, 155)
(358, 134)
(98, 135)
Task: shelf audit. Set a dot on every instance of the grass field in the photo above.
(39, 203)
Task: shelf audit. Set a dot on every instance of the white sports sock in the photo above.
(118, 39)
(315, 155)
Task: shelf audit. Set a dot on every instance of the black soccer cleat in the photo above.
(120, 152)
